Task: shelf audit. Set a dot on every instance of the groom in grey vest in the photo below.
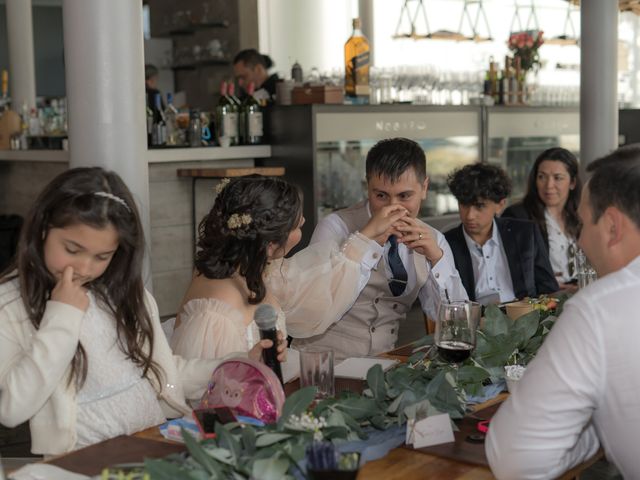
(407, 258)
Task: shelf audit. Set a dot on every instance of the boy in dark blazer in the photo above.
(499, 259)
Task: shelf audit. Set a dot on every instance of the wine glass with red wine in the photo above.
(455, 335)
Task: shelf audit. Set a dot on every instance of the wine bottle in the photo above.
(252, 116)
(227, 118)
(237, 104)
(356, 64)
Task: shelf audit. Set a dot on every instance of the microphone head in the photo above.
(265, 317)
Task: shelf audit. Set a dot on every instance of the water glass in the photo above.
(316, 369)
(584, 271)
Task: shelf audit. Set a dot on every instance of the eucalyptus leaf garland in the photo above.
(422, 386)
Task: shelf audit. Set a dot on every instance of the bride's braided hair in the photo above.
(264, 210)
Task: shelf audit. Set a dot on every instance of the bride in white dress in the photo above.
(255, 221)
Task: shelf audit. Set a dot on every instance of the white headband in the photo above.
(113, 197)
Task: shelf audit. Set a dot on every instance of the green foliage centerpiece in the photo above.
(422, 386)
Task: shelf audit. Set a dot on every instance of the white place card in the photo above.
(428, 431)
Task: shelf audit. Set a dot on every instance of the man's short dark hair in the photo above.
(479, 181)
(615, 182)
(251, 57)
(150, 71)
(392, 157)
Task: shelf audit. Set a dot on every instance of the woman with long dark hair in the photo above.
(82, 355)
(255, 221)
(551, 201)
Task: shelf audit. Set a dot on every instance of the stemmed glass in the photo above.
(455, 336)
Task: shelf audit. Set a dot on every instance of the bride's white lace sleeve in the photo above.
(319, 284)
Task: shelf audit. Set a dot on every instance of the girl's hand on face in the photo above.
(70, 292)
(256, 352)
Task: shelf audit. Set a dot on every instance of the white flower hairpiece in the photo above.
(113, 197)
(239, 220)
(221, 184)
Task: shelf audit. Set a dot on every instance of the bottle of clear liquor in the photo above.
(170, 115)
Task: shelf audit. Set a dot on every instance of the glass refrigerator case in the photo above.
(516, 136)
(324, 148)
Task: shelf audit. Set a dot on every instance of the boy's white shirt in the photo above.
(35, 365)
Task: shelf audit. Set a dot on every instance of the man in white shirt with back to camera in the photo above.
(407, 258)
(582, 389)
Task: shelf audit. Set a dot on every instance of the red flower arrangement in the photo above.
(525, 45)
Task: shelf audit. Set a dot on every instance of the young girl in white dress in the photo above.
(255, 221)
(82, 355)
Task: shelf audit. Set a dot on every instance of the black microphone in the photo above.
(266, 317)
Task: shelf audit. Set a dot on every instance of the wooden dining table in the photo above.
(460, 460)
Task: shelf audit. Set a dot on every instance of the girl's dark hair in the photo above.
(252, 58)
(248, 214)
(534, 205)
(70, 199)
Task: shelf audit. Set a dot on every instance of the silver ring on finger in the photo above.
(420, 236)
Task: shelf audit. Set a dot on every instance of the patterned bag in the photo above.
(247, 387)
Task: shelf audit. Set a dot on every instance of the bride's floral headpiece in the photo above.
(237, 220)
(221, 184)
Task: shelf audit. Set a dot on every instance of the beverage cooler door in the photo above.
(450, 139)
(517, 136)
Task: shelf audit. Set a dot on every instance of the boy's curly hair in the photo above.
(477, 181)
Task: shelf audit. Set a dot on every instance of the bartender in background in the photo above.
(151, 73)
(250, 66)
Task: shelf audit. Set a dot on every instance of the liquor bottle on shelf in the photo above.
(296, 73)
(35, 126)
(504, 82)
(24, 127)
(170, 116)
(356, 65)
(519, 82)
(4, 99)
(513, 83)
(195, 129)
(493, 77)
(159, 132)
(227, 118)
(252, 118)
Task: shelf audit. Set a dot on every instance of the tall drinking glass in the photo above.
(455, 335)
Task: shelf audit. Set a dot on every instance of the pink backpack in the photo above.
(247, 387)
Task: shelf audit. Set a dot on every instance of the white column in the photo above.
(22, 72)
(366, 11)
(598, 79)
(104, 67)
